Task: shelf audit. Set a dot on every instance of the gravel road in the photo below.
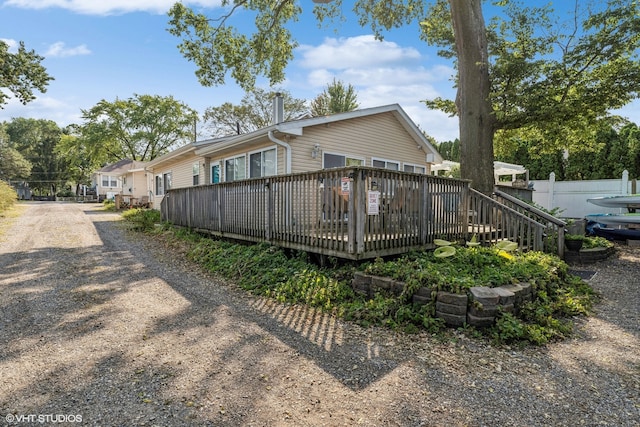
(101, 326)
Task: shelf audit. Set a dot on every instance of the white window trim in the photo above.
(164, 187)
(248, 171)
(346, 156)
(224, 165)
(415, 166)
(193, 170)
(110, 178)
(155, 184)
(379, 159)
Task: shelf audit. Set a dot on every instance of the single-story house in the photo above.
(126, 177)
(383, 137)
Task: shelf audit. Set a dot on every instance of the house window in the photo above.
(159, 186)
(385, 164)
(124, 181)
(166, 181)
(262, 163)
(196, 174)
(414, 168)
(339, 161)
(235, 168)
(215, 174)
(109, 181)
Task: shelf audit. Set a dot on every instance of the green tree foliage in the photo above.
(557, 80)
(449, 150)
(615, 152)
(254, 112)
(139, 128)
(36, 140)
(8, 196)
(521, 71)
(21, 73)
(13, 165)
(217, 47)
(336, 98)
(77, 155)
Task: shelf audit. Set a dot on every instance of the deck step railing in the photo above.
(554, 228)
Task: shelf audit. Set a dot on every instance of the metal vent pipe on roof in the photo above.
(278, 108)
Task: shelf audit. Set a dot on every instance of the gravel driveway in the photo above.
(111, 328)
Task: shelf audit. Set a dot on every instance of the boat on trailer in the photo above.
(631, 201)
(615, 219)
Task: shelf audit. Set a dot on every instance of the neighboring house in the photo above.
(516, 183)
(519, 174)
(22, 190)
(383, 137)
(126, 177)
(179, 168)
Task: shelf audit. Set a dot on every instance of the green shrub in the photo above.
(143, 219)
(289, 277)
(8, 196)
(65, 193)
(591, 242)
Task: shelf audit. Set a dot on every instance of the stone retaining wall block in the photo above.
(480, 322)
(450, 308)
(484, 311)
(451, 298)
(484, 295)
(381, 283)
(506, 296)
(424, 292)
(419, 299)
(452, 319)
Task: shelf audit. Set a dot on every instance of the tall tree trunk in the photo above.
(477, 122)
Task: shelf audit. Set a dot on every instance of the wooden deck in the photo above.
(353, 213)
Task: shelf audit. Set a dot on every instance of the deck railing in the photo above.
(353, 212)
(553, 227)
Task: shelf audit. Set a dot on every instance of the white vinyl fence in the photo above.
(571, 196)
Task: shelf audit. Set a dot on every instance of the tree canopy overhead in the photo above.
(21, 73)
(556, 76)
(524, 69)
(139, 128)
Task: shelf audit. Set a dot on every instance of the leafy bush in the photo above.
(591, 242)
(65, 193)
(109, 205)
(290, 277)
(143, 219)
(8, 196)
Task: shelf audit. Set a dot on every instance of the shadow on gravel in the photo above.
(52, 293)
(117, 327)
(310, 333)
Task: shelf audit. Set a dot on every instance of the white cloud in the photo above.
(383, 73)
(12, 44)
(43, 106)
(59, 50)
(359, 51)
(110, 7)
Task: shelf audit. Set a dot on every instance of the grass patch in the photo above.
(290, 277)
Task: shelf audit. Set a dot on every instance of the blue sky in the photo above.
(112, 49)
